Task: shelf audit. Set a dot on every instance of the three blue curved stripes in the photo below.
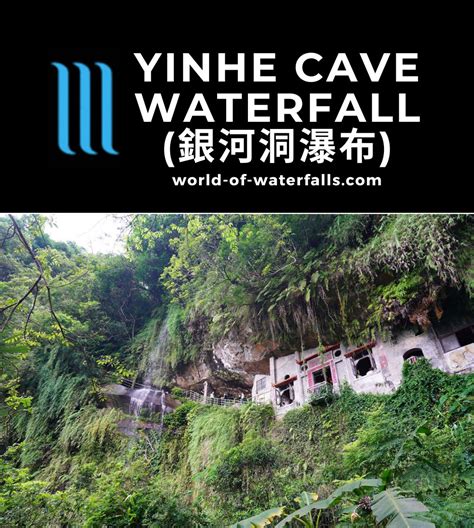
(85, 108)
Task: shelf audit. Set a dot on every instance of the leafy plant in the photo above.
(262, 519)
(390, 505)
(386, 506)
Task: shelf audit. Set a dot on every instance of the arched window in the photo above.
(413, 354)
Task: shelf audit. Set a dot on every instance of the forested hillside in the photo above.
(72, 323)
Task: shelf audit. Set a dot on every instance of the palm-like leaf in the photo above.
(260, 520)
(333, 499)
(399, 511)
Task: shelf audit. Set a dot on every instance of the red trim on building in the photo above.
(285, 382)
(359, 349)
(315, 368)
(327, 348)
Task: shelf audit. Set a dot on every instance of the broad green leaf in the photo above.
(260, 520)
(399, 511)
(332, 500)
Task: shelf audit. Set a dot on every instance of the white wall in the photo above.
(286, 366)
(461, 359)
(264, 395)
(387, 376)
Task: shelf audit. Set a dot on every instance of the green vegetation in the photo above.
(214, 466)
(72, 322)
(386, 505)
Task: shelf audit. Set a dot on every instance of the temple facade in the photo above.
(375, 367)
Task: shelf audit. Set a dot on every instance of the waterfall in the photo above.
(162, 408)
(149, 398)
(138, 399)
(154, 373)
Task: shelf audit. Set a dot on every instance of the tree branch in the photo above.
(30, 311)
(9, 235)
(34, 287)
(17, 304)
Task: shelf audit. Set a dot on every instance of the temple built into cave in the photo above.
(374, 367)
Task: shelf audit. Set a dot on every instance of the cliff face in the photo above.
(229, 367)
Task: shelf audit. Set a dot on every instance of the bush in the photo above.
(90, 430)
(250, 461)
(256, 418)
(323, 397)
(423, 432)
(125, 498)
(212, 432)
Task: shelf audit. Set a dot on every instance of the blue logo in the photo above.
(84, 108)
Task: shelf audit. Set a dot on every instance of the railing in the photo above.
(191, 395)
(320, 387)
(132, 384)
(320, 392)
(225, 402)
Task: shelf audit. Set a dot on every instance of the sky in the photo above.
(95, 232)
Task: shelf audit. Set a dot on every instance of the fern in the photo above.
(450, 514)
(213, 431)
(90, 429)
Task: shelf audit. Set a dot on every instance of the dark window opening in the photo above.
(322, 375)
(363, 366)
(363, 362)
(412, 355)
(337, 353)
(462, 337)
(465, 336)
(285, 394)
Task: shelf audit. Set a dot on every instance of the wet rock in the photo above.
(131, 427)
(229, 367)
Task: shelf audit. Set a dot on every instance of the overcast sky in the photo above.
(95, 232)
